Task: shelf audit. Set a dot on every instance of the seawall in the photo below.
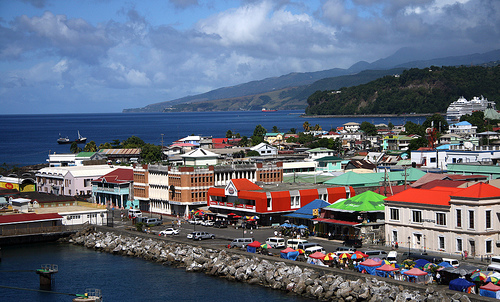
(322, 283)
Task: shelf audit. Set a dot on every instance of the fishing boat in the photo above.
(66, 140)
(268, 110)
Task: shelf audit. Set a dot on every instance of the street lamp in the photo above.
(408, 246)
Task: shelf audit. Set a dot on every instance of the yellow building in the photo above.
(18, 183)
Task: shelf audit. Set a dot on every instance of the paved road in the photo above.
(224, 236)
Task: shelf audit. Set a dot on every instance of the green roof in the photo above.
(329, 158)
(365, 202)
(320, 149)
(85, 154)
(306, 178)
(374, 179)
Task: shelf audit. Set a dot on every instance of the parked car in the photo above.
(152, 221)
(241, 242)
(294, 243)
(353, 242)
(392, 257)
(200, 235)
(311, 250)
(169, 231)
(453, 262)
(220, 224)
(306, 245)
(275, 242)
(133, 213)
(194, 221)
(344, 249)
(377, 254)
(207, 223)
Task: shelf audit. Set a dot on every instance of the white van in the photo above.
(453, 262)
(314, 249)
(494, 265)
(275, 242)
(133, 213)
(294, 243)
(392, 257)
(241, 242)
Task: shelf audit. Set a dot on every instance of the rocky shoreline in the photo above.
(300, 279)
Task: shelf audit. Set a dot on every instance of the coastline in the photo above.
(367, 115)
(297, 278)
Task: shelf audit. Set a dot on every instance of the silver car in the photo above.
(200, 235)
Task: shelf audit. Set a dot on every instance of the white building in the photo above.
(265, 149)
(464, 129)
(351, 126)
(449, 220)
(199, 157)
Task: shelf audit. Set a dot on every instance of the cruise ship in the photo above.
(462, 106)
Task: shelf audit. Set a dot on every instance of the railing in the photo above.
(41, 230)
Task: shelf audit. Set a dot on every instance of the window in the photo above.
(417, 216)
(471, 219)
(440, 218)
(488, 219)
(394, 214)
(488, 247)
(441, 242)
(459, 245)
(459, 218)
(395, 236)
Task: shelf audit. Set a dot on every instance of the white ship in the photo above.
(462, 106)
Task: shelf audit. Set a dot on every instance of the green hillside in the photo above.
(425, 90)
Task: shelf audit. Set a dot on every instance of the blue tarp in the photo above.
(460, 284)
(445, 264)
(372, 270)
(419, 263)
(251, 249)
(489, 293)
(306, 211)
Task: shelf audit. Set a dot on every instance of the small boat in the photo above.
(66, 140)
(268, 110)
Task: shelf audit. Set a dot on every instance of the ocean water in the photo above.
(119, 278)
(28, 139)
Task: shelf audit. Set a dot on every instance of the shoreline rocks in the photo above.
(305, 281)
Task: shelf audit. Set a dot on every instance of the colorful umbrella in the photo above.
(330, 256)
(301, 251)
(265, 246)
(345, 255)
(428, 266)
(492, 279)
(478, 276)
(359, 255)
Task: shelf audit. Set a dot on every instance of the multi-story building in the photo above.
(270, 202)
(115, 189)
(69, 181)
(177, 190)
(450, 220)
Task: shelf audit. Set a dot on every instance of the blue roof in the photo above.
(306, 211)
(464, 123)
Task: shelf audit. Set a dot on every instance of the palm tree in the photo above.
(307, 126)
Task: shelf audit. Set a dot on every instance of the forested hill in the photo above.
(425, 90)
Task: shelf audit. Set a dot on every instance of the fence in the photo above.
(40, 230)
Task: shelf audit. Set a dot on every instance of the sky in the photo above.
(102, 56)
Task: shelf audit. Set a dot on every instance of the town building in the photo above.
(115, 189)
(69, 181)
(449, 220)
(269, 202)
(129, 155)
(265, 149)
(351, 126)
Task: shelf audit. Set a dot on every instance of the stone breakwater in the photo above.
(310, 282)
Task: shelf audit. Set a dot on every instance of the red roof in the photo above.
(243, 184)
(117, 176)
(387, 191)
(29, 217)
(465, 177)
(442, 183)
(479, 190)
(421, 196)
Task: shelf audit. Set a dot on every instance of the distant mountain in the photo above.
(292, 90)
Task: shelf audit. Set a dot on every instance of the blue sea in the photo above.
(28, 139)
(119, 278)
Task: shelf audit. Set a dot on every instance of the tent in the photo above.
(252, 247)
(419, 276)
(306, 212)
(317, 255)
(445, 264)
(365, 202)
(420, 263)
(369, 266)
(316, 258)
(289, 253)
(385, 270)
(490, 290)
(461, 285)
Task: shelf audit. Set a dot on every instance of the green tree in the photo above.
(116, 144)
(368, 128)
(229, 134)
(317, 127)
(243, 141)
(275, 129)
(105, 146)
(417, 143)
(412, 128)
(437, 121)
(292, 131)
(306, 126)
(391, 125)
(133, 142)
(90, 147)
(253, 153)
(258, 135)
(151, 153)
(74, 148)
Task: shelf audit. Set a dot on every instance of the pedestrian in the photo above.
(438, 278)
(396, 245)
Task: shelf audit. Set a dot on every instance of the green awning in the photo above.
(365, 202)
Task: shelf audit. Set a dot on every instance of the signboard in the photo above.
(230, 204)
(315, 212)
